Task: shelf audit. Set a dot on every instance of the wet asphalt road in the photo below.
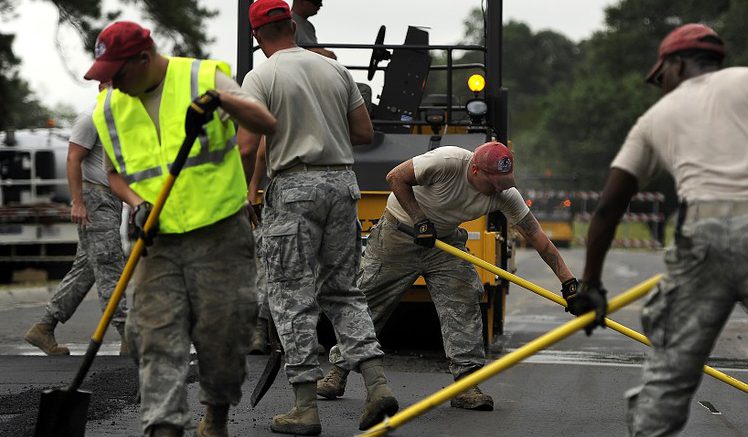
(573, 389)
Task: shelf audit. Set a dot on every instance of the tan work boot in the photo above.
(303, 419)
(380, 401)
(165, 431)
(42, 335)
(259, 345)
(473, 399)
(214, 422)
(332, 386)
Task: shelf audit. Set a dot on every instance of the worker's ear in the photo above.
(680, 64)
(144, 57)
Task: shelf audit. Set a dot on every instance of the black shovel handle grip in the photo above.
(184, 152)
(407, 229)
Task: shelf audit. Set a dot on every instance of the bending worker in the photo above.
(198, 280)
(698, 132)
(434, 193)
(311, 231)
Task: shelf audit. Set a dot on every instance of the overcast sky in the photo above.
(53, 60)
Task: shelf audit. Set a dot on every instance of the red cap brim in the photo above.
(103, 71)
(653, 72)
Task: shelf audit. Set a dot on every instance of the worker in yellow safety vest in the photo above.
(198, 280)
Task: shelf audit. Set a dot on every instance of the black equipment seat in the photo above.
(404, 82)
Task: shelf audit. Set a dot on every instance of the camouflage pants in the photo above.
(392, 262)
(98, 259)
(312, 252)
(199, 288)
(706, 277)
(262, 280)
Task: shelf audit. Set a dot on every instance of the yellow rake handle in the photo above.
(132, 261)
(507, 361)
(727, 379)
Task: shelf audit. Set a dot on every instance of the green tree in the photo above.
(181, 21)
(18, 106)
(533, 63)
(585, 120)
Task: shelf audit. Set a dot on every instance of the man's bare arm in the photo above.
(258, 175)
(533, 234)
(120, 189)
(76, 155)
(619, 189)
(359, 124)
(251, 115)
(402, 179)
(249, 142)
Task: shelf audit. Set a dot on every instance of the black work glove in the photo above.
(568, 289)
(200, 112)
(425, 233)
(139, 217)
(254, 211)
(591, 296)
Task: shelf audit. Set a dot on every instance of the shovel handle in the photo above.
(406, 229)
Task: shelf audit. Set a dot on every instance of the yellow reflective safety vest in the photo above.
(211, 185)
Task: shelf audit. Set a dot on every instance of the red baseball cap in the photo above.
(686, 37)
(259, 12)
(118, 42)
(495, 159)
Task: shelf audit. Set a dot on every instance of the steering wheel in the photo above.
(378, 55)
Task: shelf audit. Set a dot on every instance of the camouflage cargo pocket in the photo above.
(282, 252)
(655, 314)
(686, 259)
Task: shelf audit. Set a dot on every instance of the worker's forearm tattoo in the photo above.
(551, 257)
(528, 226)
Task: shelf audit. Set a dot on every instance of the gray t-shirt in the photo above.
(84, 134)
(310, 96)
(446, 196)
(305, 32)
(699, 133)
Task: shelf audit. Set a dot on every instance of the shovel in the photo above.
(271, 367)
(62, 412)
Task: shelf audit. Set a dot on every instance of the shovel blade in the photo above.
(267, 377)
(62, 413)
